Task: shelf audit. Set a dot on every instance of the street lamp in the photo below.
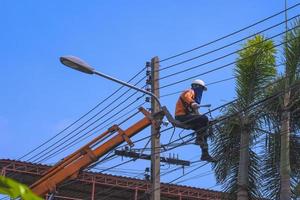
(78, 64)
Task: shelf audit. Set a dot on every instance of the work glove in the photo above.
(195, 106)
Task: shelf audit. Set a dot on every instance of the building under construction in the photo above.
(92, 186)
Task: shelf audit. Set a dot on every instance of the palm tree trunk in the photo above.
(285, 184)
(285, 169)
(243, 177)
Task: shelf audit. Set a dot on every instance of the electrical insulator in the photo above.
(146, 174)
(147, 64)
(148, 81)
(147, 169)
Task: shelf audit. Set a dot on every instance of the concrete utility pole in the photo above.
(155, 132)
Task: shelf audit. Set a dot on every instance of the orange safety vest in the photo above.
(183, 105)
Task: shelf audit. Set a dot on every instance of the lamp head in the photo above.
(76, 63)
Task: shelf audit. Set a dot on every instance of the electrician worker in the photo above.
(187, 112)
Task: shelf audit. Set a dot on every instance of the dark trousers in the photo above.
(199, 123)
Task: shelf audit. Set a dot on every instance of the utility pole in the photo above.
(155, 132)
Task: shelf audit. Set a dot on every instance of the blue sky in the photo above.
(40, 97)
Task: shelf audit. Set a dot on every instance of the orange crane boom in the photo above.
(70, 166)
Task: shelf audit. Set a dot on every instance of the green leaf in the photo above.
(14, 189)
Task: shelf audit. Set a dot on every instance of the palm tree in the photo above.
(238, 164)
(282, 163)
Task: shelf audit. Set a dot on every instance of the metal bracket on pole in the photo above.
(137, 155)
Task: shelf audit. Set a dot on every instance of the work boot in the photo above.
(206, 157)
(198, 140)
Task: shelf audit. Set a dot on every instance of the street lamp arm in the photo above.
(80, 65)
(130, 86)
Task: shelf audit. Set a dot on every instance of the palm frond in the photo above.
(292, 51)
(226, 147)
(274, 112)
(255, 68)
(271, 173)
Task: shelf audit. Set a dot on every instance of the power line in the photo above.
(246, 146)
(137, 74)
(221, 67)
(200, 176)
(130, 116)
(129, 112)
(95, 107)
(212, 83)
(123, 171)
(218, 108)
(231, 34)
(168, 172)
(252, 105)
(235, 100)
(209, 172)
(71, 135)
(227, 45)
(264, 100)
(214, 109)
(232, 53)
(55, 148)
(85, 136)
(228, 117)
(257, 103)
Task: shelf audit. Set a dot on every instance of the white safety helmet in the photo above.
(199, 82)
